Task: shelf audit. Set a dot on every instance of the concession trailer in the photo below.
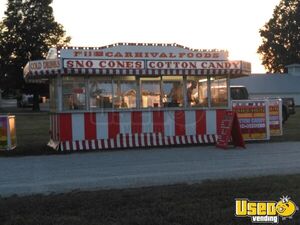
(135, 95)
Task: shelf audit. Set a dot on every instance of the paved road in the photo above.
(133, 168)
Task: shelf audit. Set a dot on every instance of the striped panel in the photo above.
(169, 123)
(200, 122)
(107, 126)
(136, 140)
(136, 122)
(211, 122)
(190, 122)
(158, 122)
(113, 124)
(78, 126)
(102, 125)
(45, 73)
(147, 122)
(125, 122)
(65, 127)
(90, 130)
(179, 122)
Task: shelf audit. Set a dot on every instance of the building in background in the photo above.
(273, 85)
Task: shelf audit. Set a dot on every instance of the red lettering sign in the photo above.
(103, 64)
(144, 52)
(230, 131)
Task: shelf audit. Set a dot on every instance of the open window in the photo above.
(196, 91)
(74, 93)
(125, 92)
(172, 91)
(100, 92)
(150, 92)
(219, 91)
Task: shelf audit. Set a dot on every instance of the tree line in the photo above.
(281, 37)
(27, 31)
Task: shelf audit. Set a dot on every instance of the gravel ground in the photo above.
(134, 168)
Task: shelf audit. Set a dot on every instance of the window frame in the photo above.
(59, 81)
(102, 80)
(149, 79)
(62, 93)
(227, 77)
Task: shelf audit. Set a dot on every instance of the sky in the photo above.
(232, 25)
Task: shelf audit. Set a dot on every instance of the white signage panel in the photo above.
(194, 65)
(103, 64)
(42, 65)
(143, 64)
(144, 52)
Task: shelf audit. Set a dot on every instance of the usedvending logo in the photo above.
(265, 211)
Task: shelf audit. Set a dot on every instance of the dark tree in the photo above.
(10, 63)
(27, 31)
(281, 37)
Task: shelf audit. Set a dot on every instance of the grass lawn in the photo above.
(291, 128)
(32, 134)
(207, 203)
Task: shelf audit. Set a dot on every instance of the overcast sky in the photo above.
(232, 24)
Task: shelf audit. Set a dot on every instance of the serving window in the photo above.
(219, 91)
(172, 91)
(196, 91)
(131, 92)
(150, 92)
(73, 93)
(100, 92)
(125, 92)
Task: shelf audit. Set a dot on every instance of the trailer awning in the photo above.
(136, 59)
(32, 72)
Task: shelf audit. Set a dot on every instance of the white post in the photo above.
(59, 93)
(8, 134)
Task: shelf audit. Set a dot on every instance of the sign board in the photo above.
(253, 117)
(143, 51)
(230, 131)
(145, 64)
(8, 139)
(275, 117)
(42, 65)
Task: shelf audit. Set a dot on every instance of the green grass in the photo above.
(207, 203)
(32, 131)
(32, 134)
(291, 128)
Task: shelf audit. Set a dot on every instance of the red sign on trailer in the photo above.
(230, 131)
